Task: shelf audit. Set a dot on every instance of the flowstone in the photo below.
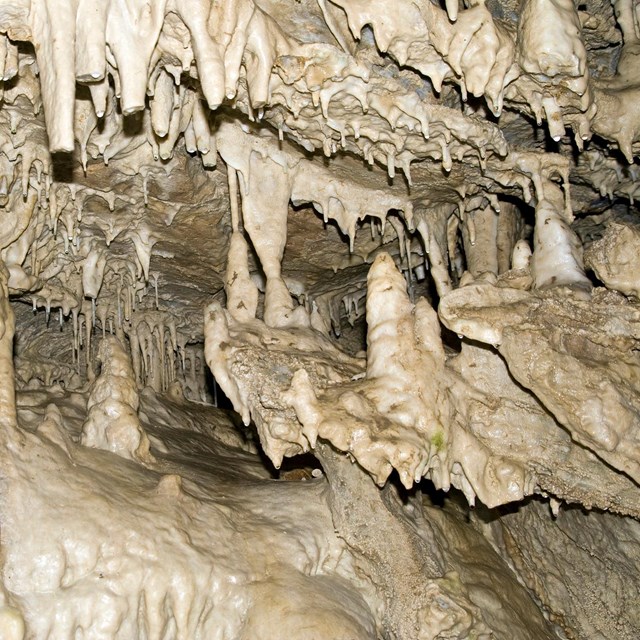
(412, 228)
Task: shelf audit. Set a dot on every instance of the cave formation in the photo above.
(319, 319)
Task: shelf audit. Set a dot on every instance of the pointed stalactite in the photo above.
(132, 31)
(91, 25)
(52, 24)
(208, 53)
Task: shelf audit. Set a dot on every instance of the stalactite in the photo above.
(469, 128)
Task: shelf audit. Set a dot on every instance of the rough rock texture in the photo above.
(411, 230)
(589, 561)
(112, 419)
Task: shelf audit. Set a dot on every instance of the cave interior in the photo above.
(319, 319)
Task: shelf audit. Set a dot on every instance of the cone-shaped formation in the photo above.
(112, 423)
(413, 409)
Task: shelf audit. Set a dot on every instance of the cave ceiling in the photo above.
(393, 121)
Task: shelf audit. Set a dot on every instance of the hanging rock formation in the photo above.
(390, 245)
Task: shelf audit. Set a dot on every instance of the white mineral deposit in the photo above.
(319, 320)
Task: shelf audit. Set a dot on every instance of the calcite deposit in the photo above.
(319, 319)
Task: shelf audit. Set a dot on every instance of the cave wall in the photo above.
(319, 319)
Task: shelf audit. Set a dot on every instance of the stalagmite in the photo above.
(242, 293)
(481, 244)
(8, 414)
(112, 422)
(557, 253)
